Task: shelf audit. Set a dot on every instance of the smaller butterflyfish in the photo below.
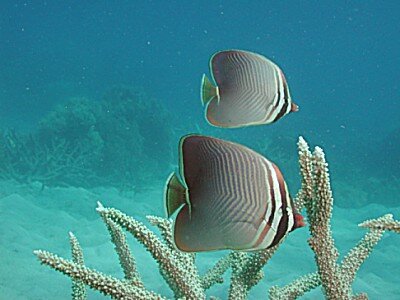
(227, 196)
(250, 90)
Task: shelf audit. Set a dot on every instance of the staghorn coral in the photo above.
(179, 270)
(383, 223)
(316, 196)
(78, 287)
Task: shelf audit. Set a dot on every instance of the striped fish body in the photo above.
(230, 198)
(251, 90)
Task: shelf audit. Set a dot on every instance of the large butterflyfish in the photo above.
(227, 196)
(250, 90)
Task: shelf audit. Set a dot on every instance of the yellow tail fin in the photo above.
(175, 194)
(208, 90)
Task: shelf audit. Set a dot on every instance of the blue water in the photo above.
(341, 61)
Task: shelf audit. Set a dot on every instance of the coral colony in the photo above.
(179, 269)
(75, 144)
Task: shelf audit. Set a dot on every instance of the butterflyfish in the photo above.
(250, 90)
(227, 196)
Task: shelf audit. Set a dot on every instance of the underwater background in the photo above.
(94, 98)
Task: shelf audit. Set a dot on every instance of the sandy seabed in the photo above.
(31, 218)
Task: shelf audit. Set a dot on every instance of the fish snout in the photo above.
(298, 221)
(294, 108)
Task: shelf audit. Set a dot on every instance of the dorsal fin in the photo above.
(175, 194)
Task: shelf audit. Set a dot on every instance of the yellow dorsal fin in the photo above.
(208, 90)
(175, 195)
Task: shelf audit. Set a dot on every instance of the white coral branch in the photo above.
(385, 222)
(107, 285)
(78, 287)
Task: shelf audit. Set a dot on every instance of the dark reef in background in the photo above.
(121, 141)
(389, 151)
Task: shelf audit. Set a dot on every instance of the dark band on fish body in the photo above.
(285, 86)
(284, 221)
(285, 89)
(285, 98)
(282, 112)
(278, 98)
(281, 230)
(272, 194)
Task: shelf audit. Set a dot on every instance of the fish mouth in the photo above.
(294, 108)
